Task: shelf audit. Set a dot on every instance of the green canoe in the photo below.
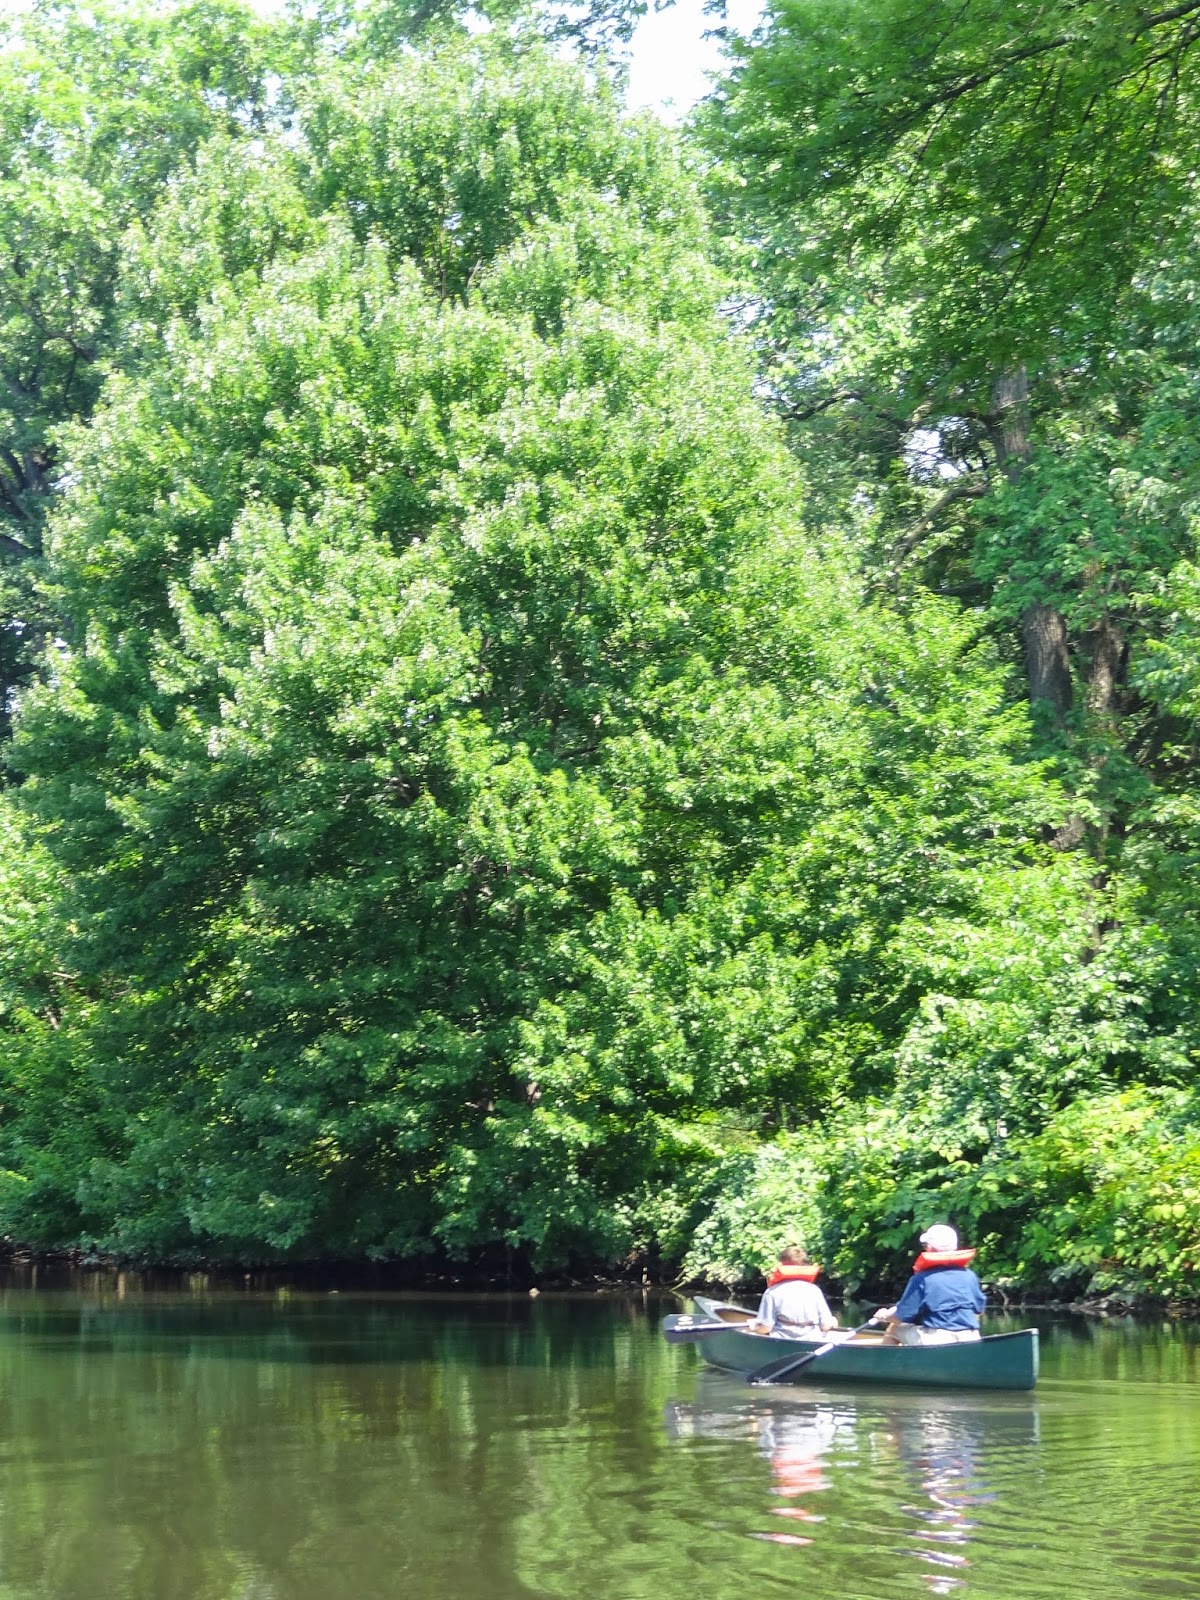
(1000, 1361)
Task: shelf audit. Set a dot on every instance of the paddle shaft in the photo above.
(781, 1369)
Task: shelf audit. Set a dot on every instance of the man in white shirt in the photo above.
(793, 1307)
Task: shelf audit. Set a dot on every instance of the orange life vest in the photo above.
(808, 1273)
(943, 1258)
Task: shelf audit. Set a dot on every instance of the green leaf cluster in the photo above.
(1101, 1201)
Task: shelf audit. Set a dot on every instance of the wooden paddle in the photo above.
(789, 1364)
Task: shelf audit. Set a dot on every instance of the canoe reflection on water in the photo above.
(941, 1442)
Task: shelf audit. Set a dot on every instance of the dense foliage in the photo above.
(483, 780)
(971, 232)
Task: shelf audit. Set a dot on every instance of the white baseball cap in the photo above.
(940, 1237)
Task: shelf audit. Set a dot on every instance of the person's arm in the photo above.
(827, 1319)
(978, 1298)
(908, 1307)
(764, 1318)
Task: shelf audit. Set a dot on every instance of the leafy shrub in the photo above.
(1104, 1200)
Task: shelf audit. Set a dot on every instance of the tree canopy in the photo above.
(545, 725)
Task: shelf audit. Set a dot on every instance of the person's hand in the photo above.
(884, 1314)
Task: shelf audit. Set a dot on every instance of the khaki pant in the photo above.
(910, 1333)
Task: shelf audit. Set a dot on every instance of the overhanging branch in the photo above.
(964, 488)
(848, 397)
(1156, 19)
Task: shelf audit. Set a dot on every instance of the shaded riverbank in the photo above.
(68, 1269)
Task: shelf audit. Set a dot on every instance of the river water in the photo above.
(199, 1444)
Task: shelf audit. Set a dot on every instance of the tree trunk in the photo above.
(1047, 664)
(1106, 666)
(1106, 652)
(1043, 629)
(1010, 430)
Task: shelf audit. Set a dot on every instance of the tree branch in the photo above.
(14, 547)
(1157, 18)
(803, 413)
(951, 91)
(964, 488)
(20, 481)
(847, 397)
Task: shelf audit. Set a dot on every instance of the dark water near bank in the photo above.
(202, 1445)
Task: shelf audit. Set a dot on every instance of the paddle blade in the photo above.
(780, 1369)
(683, 1329)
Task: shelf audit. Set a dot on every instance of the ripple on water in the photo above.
(1054, 1494)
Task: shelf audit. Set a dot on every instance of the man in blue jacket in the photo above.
(942, 1300)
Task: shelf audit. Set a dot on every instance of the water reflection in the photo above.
(793, 1437)
(940, 1443)
(201, 1445)
(941, 1452)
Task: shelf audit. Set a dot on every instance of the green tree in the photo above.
(480, 791)
(482, 800)
(956, 214)
(99, 106)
